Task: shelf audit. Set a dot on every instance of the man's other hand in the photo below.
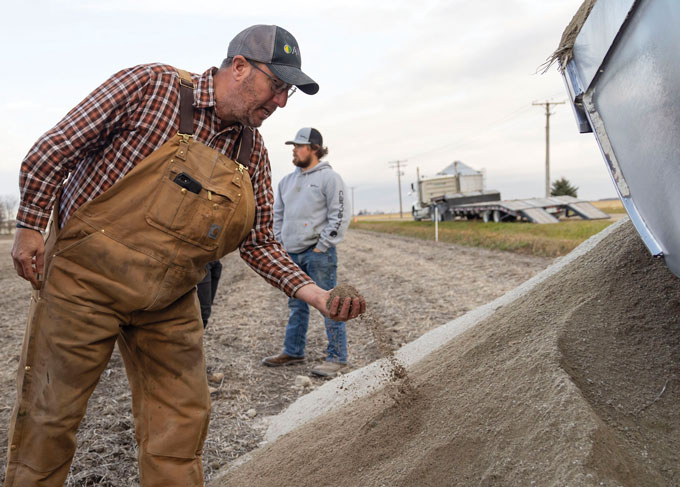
(28, 254)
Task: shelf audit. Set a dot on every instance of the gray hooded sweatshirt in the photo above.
(311, 209)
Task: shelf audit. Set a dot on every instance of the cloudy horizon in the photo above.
(446, 81)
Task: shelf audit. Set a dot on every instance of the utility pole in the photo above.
(547, 141)
(398, 165)
(352, 188)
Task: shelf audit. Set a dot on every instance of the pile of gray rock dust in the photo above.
(575, 383)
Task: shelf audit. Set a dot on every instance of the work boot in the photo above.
(328, 369)
(281, 359)
(216, 377)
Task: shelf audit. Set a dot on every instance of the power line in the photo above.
(460, 139)
(478, 131)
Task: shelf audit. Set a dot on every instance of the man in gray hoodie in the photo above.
(311, 215)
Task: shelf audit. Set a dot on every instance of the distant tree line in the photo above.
(8, 208)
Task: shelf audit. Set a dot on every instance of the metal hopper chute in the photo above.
(620, 64)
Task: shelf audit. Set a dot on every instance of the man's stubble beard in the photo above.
(240, 106)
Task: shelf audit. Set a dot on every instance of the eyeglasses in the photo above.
(277, 86)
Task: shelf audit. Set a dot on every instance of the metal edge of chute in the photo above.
(589, 120)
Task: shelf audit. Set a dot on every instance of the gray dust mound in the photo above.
(575, 383)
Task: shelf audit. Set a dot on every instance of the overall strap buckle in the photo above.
(244, 146)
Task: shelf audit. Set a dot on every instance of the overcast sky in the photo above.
(425, 82)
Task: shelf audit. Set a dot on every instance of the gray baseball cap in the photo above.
(307, 135)
(278, 49)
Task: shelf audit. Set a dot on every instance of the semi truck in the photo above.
(455, 185)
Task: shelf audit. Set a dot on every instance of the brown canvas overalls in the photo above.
(124, 268)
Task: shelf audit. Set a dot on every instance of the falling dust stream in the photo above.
(393, 371)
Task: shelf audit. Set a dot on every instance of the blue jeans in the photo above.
(322, 268)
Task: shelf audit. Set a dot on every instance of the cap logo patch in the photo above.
(289, 49)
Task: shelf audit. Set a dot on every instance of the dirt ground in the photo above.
(576, 383)
(413, 286)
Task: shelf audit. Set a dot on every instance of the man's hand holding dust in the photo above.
(337, 308)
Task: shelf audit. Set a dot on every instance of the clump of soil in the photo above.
(343, 291)
(575, 383)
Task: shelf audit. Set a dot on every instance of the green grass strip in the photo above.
(551, 240)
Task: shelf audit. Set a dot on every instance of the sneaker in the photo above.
(281, 359)
(328, 369)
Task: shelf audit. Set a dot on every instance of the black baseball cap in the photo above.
(307, 135)
(278, 49)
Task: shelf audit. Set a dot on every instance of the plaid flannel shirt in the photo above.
(120, 123)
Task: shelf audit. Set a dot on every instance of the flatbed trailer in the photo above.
(534, 210)
(444, 202)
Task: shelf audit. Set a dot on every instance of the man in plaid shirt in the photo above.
(123, 267)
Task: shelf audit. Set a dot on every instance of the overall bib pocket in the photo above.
(192, 210)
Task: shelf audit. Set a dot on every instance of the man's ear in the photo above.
(239, 68)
